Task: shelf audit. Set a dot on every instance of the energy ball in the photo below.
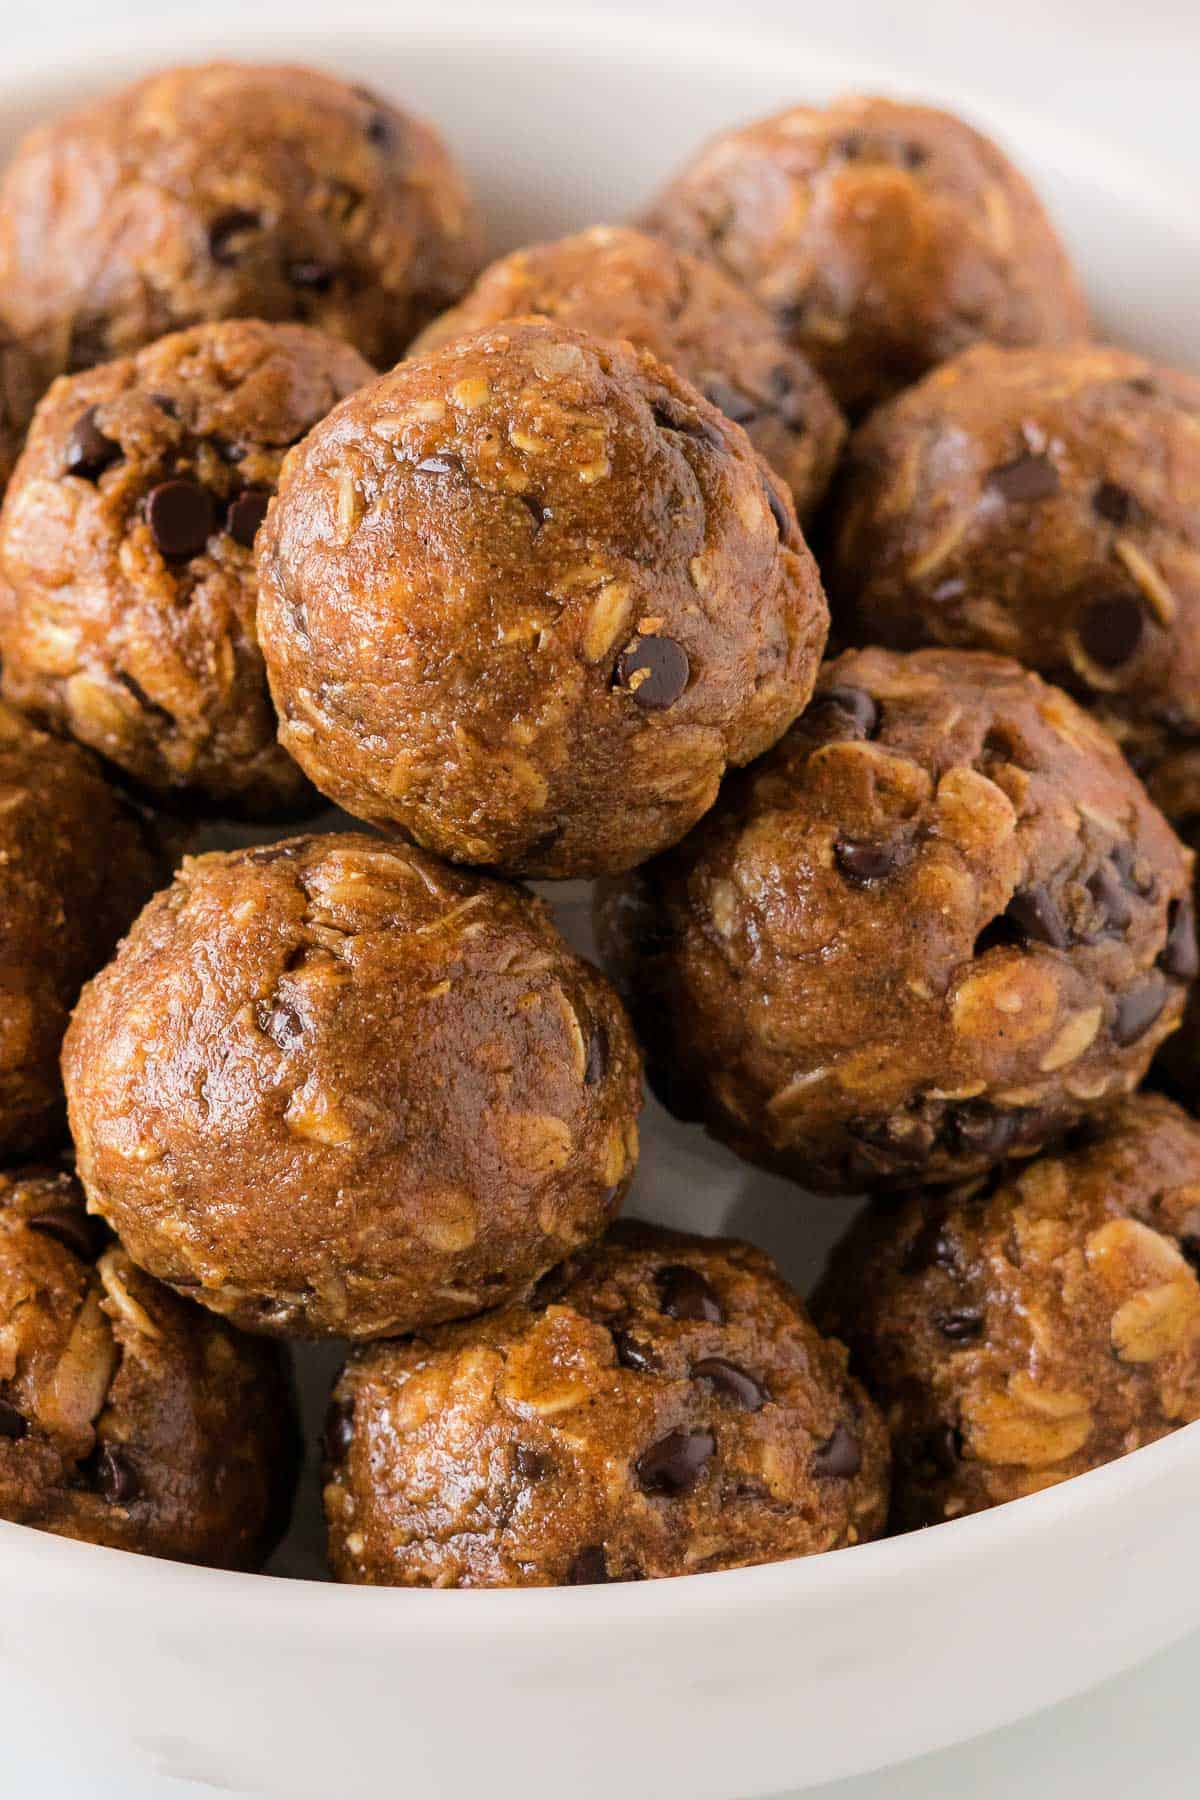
(619, 283)
(662, 1405)
(1022, 1331)
(76, 863)
(938, 925)
(232, 190)
(128, 1417)
(884, 237)
(332, 1088)
(527, 596)
(1046, 504)
(126, 543)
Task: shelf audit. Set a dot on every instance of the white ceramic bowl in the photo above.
(726, 1685)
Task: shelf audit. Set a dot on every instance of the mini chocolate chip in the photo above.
(531, 1464)
(281, 1023)
(735, 405)
(1112, 503)
(1034, 913)
(537, 512)
(855, 703)
(914, 156)
(316, 276)
(596, 1066)
(929, 1248)
(338, 1434)
(685, 1294)
(1108, 891)
(778, 510)
(246, 514)
(942, 1447)
(113, 1475)
(631, 1354)
(182, 518)
(839, 1456)
(983, 1131)
(960, 1327)
(166, 404)
(1137, 1010)
(865, 863)
(675, 1464)
(589, 1568)
(380, 130)
(79, 1232)
(654, 670)
(88, 451)
(730, 1382)
(225, 231)
(12, 1423)
(1111, 630)
(1026, 478)
(1180, 958)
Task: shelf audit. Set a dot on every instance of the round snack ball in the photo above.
(618, 283)
(1018, 1333)
(128, 1417)
(883, 236)
(126, 542)
(76, 863)
(527, 596)
(1046, 504)
(661, 1405)
(934, 928)
(332, 1088)
(232, 190)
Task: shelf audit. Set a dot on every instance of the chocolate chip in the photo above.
(865, 863)
(317, 277)
(779, 511)
(113, 1476)
(380, 131)
(246, 514)
(730, 1382)
(281, 1023)
(983, 1131)
(531, 1464)
(589, 1568)
(941, 1448)
(654, 670)
(537, 512)
(1180, 958)
(929, 1248)
(548, 1289)
(338, 1434)
(12, 1423)
(1137, 1010)
(1034, 913)
(684, 1294)
(79, 1232)
(182, 518)
(88, 451)
(631, 1354)
(1026, 478)
(166, 404)
(675, 1464)
(855, 703)
(227, 229)
(960, 1327)
(596, 1066)
(1111, 630)
(734, 404)
(1108, 891)
(1112, 503)
(839, 1456)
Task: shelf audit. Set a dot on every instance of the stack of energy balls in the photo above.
(536, 601)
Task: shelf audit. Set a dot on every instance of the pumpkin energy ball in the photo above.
(1020, 1332)
(230, 191)
(1043, 503)
(659, 1406)
(527, 596)
(884, 237)
(619, 283)
(331, 1087)
(126, 544)
(76, 863)
(127, 1416)
(935, 927)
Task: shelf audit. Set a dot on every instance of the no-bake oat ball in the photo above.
(527, 596)
(331, 1087)
(126, 543)
(76, 863)
(1021, 1330)
(884, 237)
(659, 1406)
(1046, 504)
(231, 190)
(620, 283)
(936, 926)
(128, 1417)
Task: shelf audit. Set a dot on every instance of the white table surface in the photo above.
(1128, 74)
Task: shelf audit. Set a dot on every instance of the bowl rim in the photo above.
(41, 1562)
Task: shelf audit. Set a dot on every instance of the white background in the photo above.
(1130, 74)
